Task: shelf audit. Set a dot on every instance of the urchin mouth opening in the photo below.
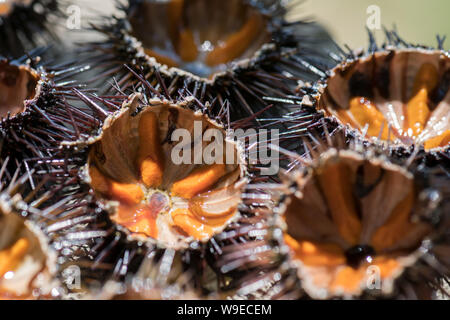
(397, 96)
(199, 36)
(353, 215)
(17, 84)
(172, 203)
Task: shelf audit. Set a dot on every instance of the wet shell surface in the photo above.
(18, 83)
(354, 225)
(198, 36)
(399, 96)
(28, 265)
(131, 165)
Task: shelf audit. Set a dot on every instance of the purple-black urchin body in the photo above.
(248, 256)
(235, 51)
(36, 115)
(25, 24)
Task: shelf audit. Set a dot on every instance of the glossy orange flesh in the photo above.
(363, 113)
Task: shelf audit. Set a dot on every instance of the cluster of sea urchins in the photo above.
(115, 197)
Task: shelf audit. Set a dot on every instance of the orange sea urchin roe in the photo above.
(438, 141)
(186, 40)
(127, 193)
(237, 43)
(183, 219)
(150, 159)
(406, 119)
(187, 48)
(417, 111)
(198, 181)
(366, 113)
(11, 258)
(5, 8)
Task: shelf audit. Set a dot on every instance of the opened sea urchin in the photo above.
(396, 96)
(131, 162)
(359, 226)
(236, 51)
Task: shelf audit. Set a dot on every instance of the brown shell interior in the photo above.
(351, 215)
(398, 96)
(199, 36)
(132, 164)
(17, 84)
(21, 258)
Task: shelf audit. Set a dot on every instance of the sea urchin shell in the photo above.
(131, 162)
(356, 224)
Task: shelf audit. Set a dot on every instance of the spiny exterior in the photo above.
(47, 119)
(272, 71)
(248, 257)
(26, 24)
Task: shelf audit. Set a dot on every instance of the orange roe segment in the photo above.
(237, 43)
(150, 159)
(187, 48)
(397, 225)
(126, 193)
(386, 265)
(348, 279)
(123, 192)
(184, 220)
(151, 173)
(5, 8)
(335, 181)
(366, 113)
(351, 280)
(138, 219)
(438, 141)
(10, 258)
(200, 180)
(417, 113)
(312, 254)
